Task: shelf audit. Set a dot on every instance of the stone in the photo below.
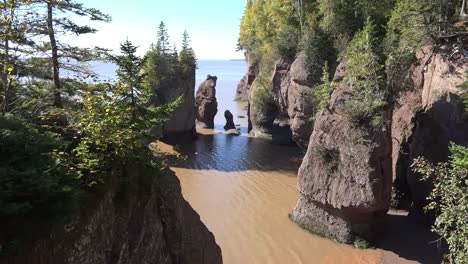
(229, 120)
(206, 103)
(233, 132)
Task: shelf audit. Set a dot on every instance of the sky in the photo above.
(213, 25)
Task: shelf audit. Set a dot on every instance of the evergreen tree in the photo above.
(162, 43)
(187, 57)
(130, 78)
(364, 74)
(15, 41)
(62, 24)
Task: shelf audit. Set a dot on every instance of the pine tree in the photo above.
(364, 74)
(130, 78)
(15, 40)
(187, 57)
(64, 25)
(163, 39)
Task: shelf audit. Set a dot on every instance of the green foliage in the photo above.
(464, 96)
(187, 58)
(361, 243)
(342, 19)
(263, 101)
(115, 122)
(270, 24)
(330, 157)
(319, 51)
(322, 93)
(36, 186)
(130, 78)
(364, 74)
(163, 69)
(449, 200)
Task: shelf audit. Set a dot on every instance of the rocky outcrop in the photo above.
(243, 88)
(182, 120)
(289, 120)
(233, 132)
(206, 103)
(142, 219)
(229, 120)
(344, 182)
(426, 118)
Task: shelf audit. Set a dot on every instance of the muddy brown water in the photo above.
(243, 188)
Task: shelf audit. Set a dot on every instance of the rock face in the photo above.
(229, 120)
(143, 220)
(182, 121)
(344, 182)
(206, 103)
(426, 118)
(243, 88)
(289, 120)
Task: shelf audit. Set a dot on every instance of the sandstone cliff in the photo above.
(182, 121)
(288, 121)
(243, 88)
(344, 182)
(143, 219)
(426, 118)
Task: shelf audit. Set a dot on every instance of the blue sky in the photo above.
(213, 25)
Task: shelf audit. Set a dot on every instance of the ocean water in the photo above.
(229, 73)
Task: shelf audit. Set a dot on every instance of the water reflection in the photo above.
(237, 153)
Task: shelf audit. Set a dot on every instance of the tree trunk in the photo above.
(55, 61)
(463, 9)
(6, 84)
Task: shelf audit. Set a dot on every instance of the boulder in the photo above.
(344, 182)
(233, 132)
(229, 120)
(206, 103)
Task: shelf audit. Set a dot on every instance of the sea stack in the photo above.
(206, 103)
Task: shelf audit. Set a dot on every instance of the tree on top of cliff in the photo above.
(187, 56)
(364, 74)
(163, 39)
(52, 25)
(130, 78)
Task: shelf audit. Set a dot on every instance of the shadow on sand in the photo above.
(410, 239)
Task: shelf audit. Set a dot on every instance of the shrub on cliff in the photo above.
(35, 184)
(364, 74)
(263, 100)
(318, 48)
(322, 93)
(115, 121)
(449, 200)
